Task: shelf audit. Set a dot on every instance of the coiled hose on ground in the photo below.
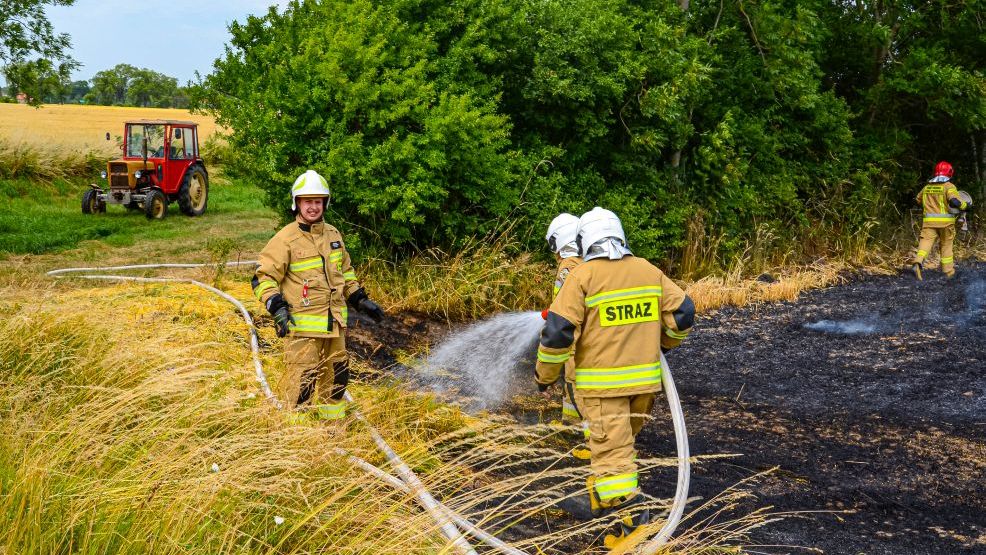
(446, 518)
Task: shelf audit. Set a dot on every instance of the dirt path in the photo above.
(876, 407)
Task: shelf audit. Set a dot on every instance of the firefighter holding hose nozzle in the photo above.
(613, 315)
(940, 201)
(306, 281)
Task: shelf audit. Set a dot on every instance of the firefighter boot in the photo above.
(632, 526)
(585, 506)
(916, 268)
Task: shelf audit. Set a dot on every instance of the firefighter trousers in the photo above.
(614, 423)
(946, 241)
(316, 371)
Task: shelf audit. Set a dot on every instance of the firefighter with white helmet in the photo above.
(613, 315)
(305, 279)
(941, 202)
(561, 241)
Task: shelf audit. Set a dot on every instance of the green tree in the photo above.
(32, 54)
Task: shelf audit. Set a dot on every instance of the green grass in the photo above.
(41, 218)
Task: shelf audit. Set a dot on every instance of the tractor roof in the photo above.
(161, 122)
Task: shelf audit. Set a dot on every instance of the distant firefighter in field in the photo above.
(941, 202)
(305, 280)
(613, 315)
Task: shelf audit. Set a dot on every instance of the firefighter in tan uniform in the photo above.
(613, 316)
(940, 200)
(561, 241)
(305, 279)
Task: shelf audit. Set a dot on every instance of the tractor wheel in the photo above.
(194, 193)
(155, 205)
(91, 203)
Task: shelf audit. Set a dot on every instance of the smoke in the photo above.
(851, 327)
(485, 364)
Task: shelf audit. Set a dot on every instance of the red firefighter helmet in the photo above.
(943, 168)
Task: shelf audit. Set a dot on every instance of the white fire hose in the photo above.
(409, 481)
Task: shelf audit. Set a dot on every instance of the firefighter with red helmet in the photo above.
(941, 202)
(305, 279)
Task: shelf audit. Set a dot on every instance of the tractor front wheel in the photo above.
(91, 203)
(155, 205)
(194, 193)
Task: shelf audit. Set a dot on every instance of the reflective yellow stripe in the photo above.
(335, 256)
(555, 290)
(613, 378)
(263, 286)
(306, 264)
(631, 293)
(947, 259)
(333, 411)
(677, 334)
(568, 409)
(349, 276)
(345, 313)
(616, 486)
(553, 358)
(308, 322)
(922, 254)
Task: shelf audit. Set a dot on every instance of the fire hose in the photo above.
(446, 518)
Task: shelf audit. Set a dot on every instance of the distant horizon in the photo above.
(191, 34)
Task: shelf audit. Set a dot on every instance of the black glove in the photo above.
(362, 303)
(543, 387)
(281, 311)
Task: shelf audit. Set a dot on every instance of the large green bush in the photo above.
(440, 119)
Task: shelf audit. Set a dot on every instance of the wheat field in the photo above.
(71, 126)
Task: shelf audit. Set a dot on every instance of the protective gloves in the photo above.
(361, 302)
(281, 311)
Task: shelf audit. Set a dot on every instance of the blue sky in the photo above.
(175, 37)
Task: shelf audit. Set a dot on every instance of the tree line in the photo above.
(708, 127)
(122, 85)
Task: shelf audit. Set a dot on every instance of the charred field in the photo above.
(869, 397)
(866, 401)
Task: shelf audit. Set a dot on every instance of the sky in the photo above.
(175, 37)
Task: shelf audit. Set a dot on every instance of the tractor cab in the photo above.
(160, 165)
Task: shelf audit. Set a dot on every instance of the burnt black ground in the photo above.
(883, 431)
(888, 425)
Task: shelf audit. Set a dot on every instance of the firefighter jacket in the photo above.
(934, 199)
(311, 269)
(612, 316)
(564, 268)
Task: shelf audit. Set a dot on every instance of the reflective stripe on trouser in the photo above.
(612, 430)
(617, 377)
(331, 411)
(314, 368)
(946, 243)
(569, 410)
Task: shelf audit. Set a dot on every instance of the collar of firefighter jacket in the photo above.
(315, 228)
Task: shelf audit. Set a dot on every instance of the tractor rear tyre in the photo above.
(91, 203)
(194, 193)
(155, 205)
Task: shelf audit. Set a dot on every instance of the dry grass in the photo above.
(482, 277)
(132, 424)
(63, 127)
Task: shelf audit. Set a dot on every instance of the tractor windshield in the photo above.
(155, 140)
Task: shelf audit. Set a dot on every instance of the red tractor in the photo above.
(160, 165)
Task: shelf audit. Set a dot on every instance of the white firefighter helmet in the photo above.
(598, 224)
(561, 231)
(309, 184)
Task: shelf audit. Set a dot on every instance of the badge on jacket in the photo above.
(336, 244)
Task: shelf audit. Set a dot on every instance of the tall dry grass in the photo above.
(484, 276)
(46, 164)
(131, 423)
